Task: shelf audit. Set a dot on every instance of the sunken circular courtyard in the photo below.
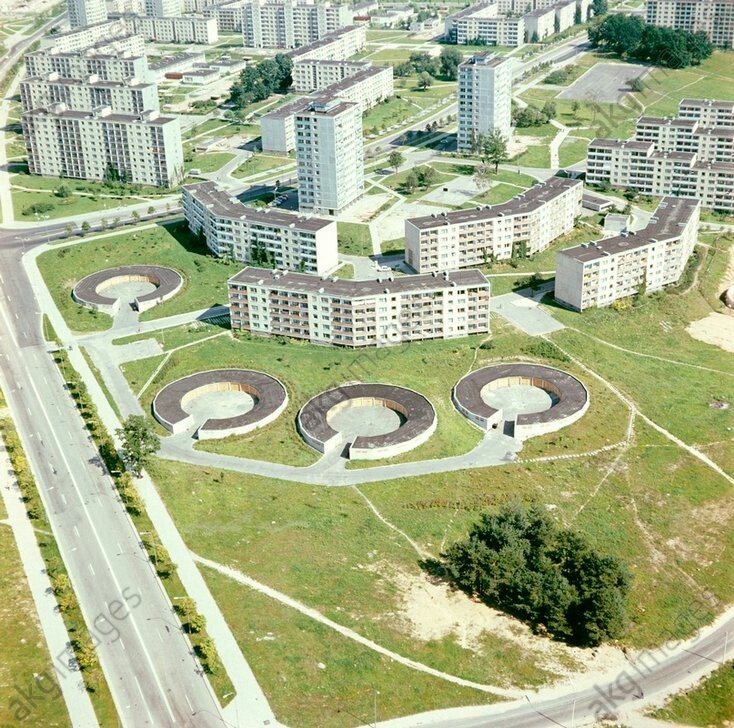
(538, 399)
(145, 285)
(226, 402)
(367, 421)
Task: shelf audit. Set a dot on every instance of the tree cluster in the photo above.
(629, 36)
(444, 66)
(533, 116)
(420, 178)
(520, 561)
(259, 81)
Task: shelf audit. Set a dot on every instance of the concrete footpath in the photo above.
(52, 624)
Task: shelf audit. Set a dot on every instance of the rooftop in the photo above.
(668, 221)
(344, 288)
(488, 59)
(326, 40)
(222, 205)
(534, 198)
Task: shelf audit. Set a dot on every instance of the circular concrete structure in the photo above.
(729, 297)
(410, 422)
(90, 290)
(567, 398)
(268, 399)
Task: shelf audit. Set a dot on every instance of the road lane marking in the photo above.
(140, 690)
(63, 498)
(76, 531)
(91, 569)
(191, 707)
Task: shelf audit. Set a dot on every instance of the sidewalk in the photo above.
(52, 624)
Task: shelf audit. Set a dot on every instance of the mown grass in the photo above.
(711, 703)
(259, 164)
(354, 238)
(169, 245)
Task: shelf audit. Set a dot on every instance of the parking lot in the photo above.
(606, 82)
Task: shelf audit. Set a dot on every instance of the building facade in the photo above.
(290, 23)
(338, 45)
(597, 274)
(82, 64)
(190, 29)
(86, 12)
(715, 18)
(313, 75)
(163, 8)
(367, 87)
(691, 155)
(143, 149)
(484, 98)
(260, 236)
(471, 237)
(122, 97)
(109, 37)
(359, 313)
(329, 156)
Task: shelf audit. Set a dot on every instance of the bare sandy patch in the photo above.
(430, 610)
(716, 328)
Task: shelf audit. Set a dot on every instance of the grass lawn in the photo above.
(572, 150)
(207, 162)
(260, 164)
(496, 194)
(354, 238)
(711, 703)
(391, 112)
(25, 653)
(172, 245)
(66, 207)
(533, 156)
(390, 247)
(396, 182)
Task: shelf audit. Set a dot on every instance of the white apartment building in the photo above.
(359, 313)
(490, 28)
(540, 23)
(329, 156)
(470, 237)
(111, 36)
(691, 155)
(367, 87)
(86, 12)
(163, 8)
(144, 149)
(597, 274)
(713, 17)
(313, 75)
(82, 64)
(183, 29)
(485, 97)
(260, 236)
(335, 46)
(229, 15)
(291, 23)
(122, 97)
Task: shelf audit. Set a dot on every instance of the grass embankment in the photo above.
(354, 238)
(170, 245)
(710, 704)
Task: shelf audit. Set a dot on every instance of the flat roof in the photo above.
(528, 201)
(122, 118)
(667, 121)
(344, 288)
(173, 60)
(319, 62)
(326, 40)
(619, 143)
(223, 205)
(326, 107)
(487, 60)
(715, 103)
(99, 83)
(668, 220)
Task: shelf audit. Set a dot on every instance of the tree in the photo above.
(424, 80)
(411, 182)
(482, 176)
(600, 7)
(494, 148)
(556, 24)
(395, 159)
(520, 560)
(426, 176)
(636, 84)
(63, 191)
(151, 210)
(403, 69)
(423, 62)
(449, 60)
(139, 442)
(549, 109)
(86, 655)
(577, 19)
(86, 227)
(135, 216)
(575, 107)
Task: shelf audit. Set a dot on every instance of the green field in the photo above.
(354, 238)
(710, 704)
(173, 245)
(259, 164)
(207, 162)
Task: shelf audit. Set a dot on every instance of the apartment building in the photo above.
(180, 63)
(359, 313)
(484, 98)
(86, 12)
(83, 64)
(597, 274)
(715, 18)
(228, 15)
(261, 236)
(111, 36)
(367, 87)
(539, 23)
(490, 28)
(291, 23)
(335, 46)
(143, 149)
(131, 96)
(312, 75)
(163, 8)
(190, 29)
(691, 155)
(470, 237)
(329, 156)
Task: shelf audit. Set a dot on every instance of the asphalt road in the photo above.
(145, 656)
